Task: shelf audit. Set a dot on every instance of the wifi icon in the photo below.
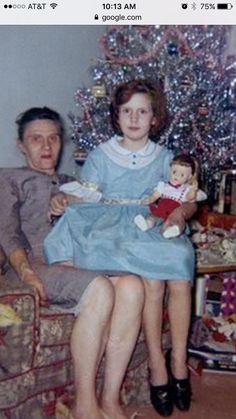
(53, 5)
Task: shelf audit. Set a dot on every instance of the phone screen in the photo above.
(71, 55)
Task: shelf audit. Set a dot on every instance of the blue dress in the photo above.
(103, 236)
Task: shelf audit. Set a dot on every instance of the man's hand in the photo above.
(57, 205)
(30, 277)
(19, 261)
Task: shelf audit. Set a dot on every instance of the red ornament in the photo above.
(184, 50)
(203, 110)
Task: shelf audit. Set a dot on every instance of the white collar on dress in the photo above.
(130, 159)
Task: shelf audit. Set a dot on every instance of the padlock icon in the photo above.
(96, 17)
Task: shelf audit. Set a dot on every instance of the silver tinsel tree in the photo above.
(199, 82)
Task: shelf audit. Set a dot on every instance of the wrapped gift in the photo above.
(216, 219)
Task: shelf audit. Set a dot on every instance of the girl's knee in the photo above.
(154, 288)
(181, 287)
(101, 291)
(131, 287)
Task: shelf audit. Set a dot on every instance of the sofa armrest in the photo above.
(14, 285)
(19, 304)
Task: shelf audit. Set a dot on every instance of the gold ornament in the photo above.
(99, 90)
(80, 154)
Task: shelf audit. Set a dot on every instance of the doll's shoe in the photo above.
(171, 232)
(140, 222)
(161, 399)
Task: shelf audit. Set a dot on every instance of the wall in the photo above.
(43, 65)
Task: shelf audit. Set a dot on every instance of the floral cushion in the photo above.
(35, 359)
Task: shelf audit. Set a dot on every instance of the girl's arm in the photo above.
(89, 178)
(157, 193)
(152, 198)
(20, 263)
(180, 215)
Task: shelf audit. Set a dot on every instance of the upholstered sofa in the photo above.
(35, 359)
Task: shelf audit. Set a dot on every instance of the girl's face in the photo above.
(136, 118)
(41, 145)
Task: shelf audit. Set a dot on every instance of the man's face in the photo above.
(41, 145)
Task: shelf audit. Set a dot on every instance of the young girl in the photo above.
(103, 235)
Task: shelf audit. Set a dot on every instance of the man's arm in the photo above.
(180, 215)
(20, 263)
(188, 209)
(59, 203)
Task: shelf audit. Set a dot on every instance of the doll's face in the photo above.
(180, 174)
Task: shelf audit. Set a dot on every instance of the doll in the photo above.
(182, 187)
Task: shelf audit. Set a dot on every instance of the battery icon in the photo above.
(224, 6)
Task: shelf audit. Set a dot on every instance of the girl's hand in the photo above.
(175, 218)
(151, 199)
(57, 205)
(30, 277)
(145, 201)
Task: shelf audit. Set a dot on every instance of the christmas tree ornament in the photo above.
(232, 94)
(172, 49)
(230, 64)
(186, 81)
(203, 110)
(80, 154)
(98, 90)
(184, 50)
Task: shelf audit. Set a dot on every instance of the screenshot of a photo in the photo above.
(118, 219)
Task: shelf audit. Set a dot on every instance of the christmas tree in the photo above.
(199, 82)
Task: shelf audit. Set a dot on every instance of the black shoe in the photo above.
(161, 399)
(181, 393)
(181, 389)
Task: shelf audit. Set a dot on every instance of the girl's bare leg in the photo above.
(152, 323)
(179, 309)
(125, 326)
(89, 333)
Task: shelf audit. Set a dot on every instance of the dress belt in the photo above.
(121, 201)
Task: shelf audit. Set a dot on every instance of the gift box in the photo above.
(213, 341)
